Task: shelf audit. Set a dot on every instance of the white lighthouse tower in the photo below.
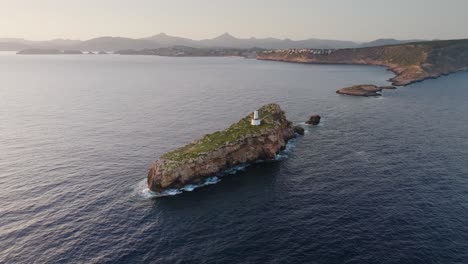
(256, 119)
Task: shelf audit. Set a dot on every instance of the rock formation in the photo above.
(313, 120)
(361, 90)
(364, 90)
(240, 143)
(299, 130)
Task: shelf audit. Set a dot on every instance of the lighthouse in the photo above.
(256, 119)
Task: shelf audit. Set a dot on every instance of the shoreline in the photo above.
(410, 63)
(387, 67)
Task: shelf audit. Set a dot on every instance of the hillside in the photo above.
(163, 40)
(410, 62)
(386, 42)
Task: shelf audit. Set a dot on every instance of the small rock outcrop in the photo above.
(361, 90)
(240, 143)
(364, 90)
(313, 120)
(299, 130)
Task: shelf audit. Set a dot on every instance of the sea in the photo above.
(379, 180)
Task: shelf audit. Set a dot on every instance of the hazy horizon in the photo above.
(212, 37)
(358, 21)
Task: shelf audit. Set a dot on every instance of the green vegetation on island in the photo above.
(233, 133)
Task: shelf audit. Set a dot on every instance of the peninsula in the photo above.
(411, 62)
(258, 136)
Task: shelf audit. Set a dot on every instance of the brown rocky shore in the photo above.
(239, 144)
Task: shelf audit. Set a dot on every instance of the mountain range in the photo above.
(163, 40)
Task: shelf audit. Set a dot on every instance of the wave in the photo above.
(284, 154)
(143, 191)
(308, 127)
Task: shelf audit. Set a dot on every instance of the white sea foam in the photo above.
(284, 154)
(307, 127)
(145, 192)
(189, 187)
(236, 169)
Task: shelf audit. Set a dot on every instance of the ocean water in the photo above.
(380, 180)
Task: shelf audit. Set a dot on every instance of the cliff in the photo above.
(411, 62)
(240, 143)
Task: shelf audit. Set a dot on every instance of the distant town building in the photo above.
(302, 51)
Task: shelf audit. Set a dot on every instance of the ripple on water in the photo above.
(377, 181)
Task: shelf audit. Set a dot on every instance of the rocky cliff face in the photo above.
(240, 143)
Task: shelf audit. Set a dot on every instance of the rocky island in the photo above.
(411, 62)
(364, 90)
(243, 142)
(314, 120)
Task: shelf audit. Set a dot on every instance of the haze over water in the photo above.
(380, 180)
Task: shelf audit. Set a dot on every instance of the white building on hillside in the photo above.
(256, 119)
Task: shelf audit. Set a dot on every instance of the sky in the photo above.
(357, 20)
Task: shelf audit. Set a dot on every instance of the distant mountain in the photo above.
(162, 40)
(165, 40)
(386, 42)
(227, 40)
(115, 43)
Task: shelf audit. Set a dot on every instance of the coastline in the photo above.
(393, 80)
(410, 63)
